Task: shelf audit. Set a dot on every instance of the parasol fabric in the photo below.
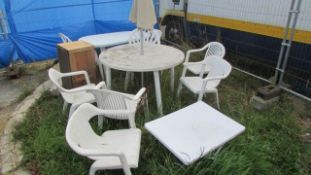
(143, 14)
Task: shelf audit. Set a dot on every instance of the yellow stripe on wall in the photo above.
(262, 29)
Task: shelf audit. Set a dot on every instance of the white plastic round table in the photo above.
(155, 58)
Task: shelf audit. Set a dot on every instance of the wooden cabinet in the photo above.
(77, 56)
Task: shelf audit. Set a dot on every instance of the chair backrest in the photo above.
(79, 134)
(64, 38)
(113, 100)
(216, 49)
(149, 36)
(218, 67)
(56, 78)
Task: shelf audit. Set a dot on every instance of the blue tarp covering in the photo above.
(34, 24)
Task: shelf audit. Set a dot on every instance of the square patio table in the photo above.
(194, 131)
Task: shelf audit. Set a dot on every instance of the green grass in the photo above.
(270, 144)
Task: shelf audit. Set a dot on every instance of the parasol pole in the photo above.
(141, 42)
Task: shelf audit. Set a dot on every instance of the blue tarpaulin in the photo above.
(34, 24)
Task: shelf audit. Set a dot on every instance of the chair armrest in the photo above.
(77, 89)
(139, 93)
(81, 72)
(213, 78)
(194, 51)
(114, 112)
(193, 63)
(99, 152)
(101, 85)
(118, 154)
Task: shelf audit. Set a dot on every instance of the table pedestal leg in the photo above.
(172, 72)
(108, 77)
(158, 91)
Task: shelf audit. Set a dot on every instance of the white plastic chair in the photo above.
(64, 38)
(219, 69)
(116, 101)
(76, 95)
(149, 36)
(212, 48)
(114, 149)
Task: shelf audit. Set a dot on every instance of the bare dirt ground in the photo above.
(13, 91)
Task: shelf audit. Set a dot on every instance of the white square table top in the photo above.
(192, 132)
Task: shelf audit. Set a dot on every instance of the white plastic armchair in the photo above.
(212, 49)
(64, 38)
(114, 149)
(122, 105)
(149, 36)
(76, 95)
(219, 70)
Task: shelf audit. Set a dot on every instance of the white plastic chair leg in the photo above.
(142, 79)
(127, 80)
(217, 99)
(132, 121)
(158, 91)
(73, 107)
(101, 70)
(92, 171)
(127, 171)
(179, 89)
(100, 123)
(172, 72)
(132, 78)
(146, 108)
(200, 96)
(125, 167)
(65, 105)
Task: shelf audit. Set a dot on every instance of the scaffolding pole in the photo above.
(3, 25)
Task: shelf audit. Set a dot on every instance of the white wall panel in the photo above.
(271, 12)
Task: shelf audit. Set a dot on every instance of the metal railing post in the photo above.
(292, 34)
(286, 43)
(3, 26)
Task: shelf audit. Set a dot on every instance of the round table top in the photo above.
(107, 39)
(128, 57)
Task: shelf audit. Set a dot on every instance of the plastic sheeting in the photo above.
(34, 24)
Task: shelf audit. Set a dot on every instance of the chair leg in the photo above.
(126, 171)
(92, 171)
(73, 107)
(172, 72)
(65, 105)
(217, 99)
(101, 70)
(132, 121)
(146, 108)
(127, 80)
(200, 96)
(142, 79)
(179, 89)
(100, 119)
(132, 75)
(125, 166)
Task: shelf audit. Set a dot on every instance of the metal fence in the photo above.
(280, 60)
